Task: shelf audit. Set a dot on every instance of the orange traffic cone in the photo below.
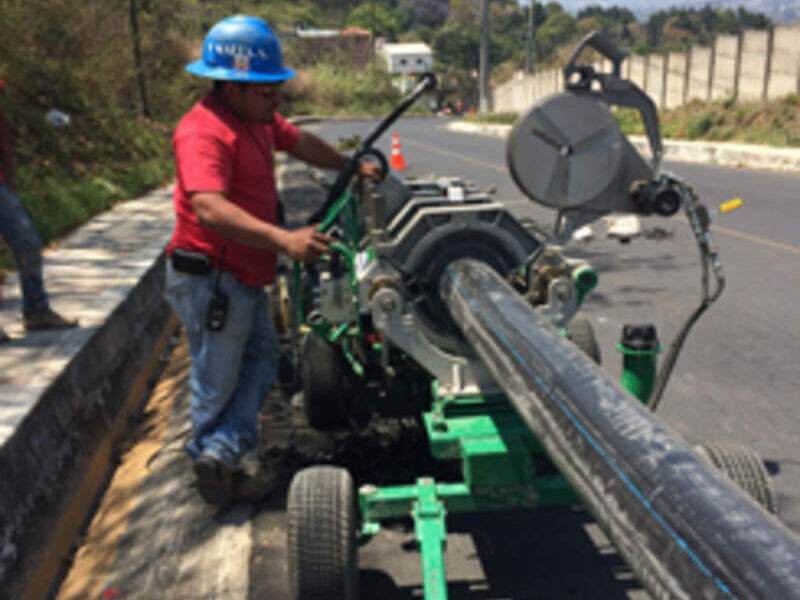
(398, 162)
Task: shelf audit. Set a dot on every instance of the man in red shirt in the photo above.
(226, 241)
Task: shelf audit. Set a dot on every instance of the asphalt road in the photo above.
(738, 375)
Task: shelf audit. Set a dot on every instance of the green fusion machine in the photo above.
(439, 298)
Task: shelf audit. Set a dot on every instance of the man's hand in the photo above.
(307, 244)
(370, 170)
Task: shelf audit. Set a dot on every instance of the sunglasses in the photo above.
(266, 92)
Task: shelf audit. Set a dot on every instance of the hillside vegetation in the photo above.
(116, 68)
(775, 123)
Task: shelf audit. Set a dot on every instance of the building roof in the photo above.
(409, 48)
(317, 33)
(355, 31)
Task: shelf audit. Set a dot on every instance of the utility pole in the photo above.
(530, 41)
(485, 100)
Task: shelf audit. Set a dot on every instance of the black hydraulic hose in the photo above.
(683, 528)
(426, 82)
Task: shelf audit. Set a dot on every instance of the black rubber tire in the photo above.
(323, 557)
(323, 374)
(581, 333)
(743, 467)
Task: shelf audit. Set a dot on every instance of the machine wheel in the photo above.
(743, 467)
(323, 559)
(323, 375)
(580, 331)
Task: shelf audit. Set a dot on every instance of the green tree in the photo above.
(427, 13)
(457, 46)
(558, 28)
(379, 19)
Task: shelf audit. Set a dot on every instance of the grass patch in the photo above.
(333, 89)
(63, 183)
(775, 123)
(502, 118)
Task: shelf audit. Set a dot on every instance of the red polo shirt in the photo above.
(215, 151)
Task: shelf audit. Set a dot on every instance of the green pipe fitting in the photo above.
(585, 279)
(639, 346)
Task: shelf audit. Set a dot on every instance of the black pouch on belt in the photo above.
(188, 261)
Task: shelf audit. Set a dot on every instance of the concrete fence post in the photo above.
(768, 64)
(711, 66)
(737, 69)
(686, 67)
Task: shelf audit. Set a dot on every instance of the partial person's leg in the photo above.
(18, 230)
(217, 356)
(216, 363)
(238, 424)
(20, 234)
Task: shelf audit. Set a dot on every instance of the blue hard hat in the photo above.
(241, 48)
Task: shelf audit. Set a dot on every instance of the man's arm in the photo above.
(217, 213)
(318, 152)
(7, 154)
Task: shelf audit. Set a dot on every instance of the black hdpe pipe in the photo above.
(683, 528)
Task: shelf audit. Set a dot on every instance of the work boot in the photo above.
(254, 481)
(47, 318)
(214, 480)
(3, 336)
(251, 488)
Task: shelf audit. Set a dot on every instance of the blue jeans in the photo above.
(20, 234)
(232, 369)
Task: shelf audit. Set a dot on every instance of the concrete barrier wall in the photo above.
(638, 70)
(655, 79)
(784, 74)
(726, 62)
(677, 72)
(701, 65)
(754, 66)
(45, 462)
(752, 76)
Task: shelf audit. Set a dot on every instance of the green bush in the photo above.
(698, 126)
(630, 121)
(342, 90)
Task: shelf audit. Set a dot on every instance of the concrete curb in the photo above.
(45, 464)
(66, 398)
(725, 154)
